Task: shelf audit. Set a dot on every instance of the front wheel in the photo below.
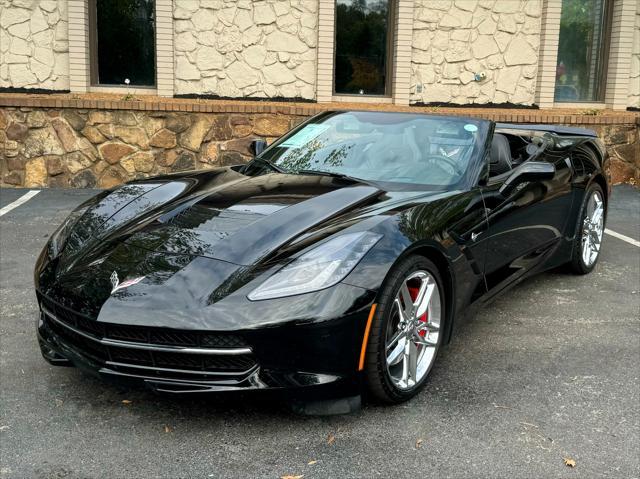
(588, 241)
(406, 331)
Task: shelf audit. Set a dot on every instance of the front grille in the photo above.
(148, 335)
(147, 351)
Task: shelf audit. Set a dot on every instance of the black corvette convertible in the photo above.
(336, 262)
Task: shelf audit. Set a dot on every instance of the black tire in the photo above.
(577, 264)
(379, 384)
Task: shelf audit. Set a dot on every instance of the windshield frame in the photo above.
(468, 178)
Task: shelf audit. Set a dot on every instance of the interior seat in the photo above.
(500, 157)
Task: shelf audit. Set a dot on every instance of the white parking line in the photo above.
(622, 237)
(23, 199)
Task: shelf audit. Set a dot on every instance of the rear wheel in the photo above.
(406, 331)
(588, 241)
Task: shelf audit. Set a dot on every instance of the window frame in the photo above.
(389, 60)
(94, 78)
(601, 65)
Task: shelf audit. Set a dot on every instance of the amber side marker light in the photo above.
(365, 339)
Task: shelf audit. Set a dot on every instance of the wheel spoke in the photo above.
(413, 361)
(426, 341)
(401, 313)
(597, 214)
(405, 368)
(396, 353)
(424, 297)
(586, 256)
(406, 299)
(391, 344)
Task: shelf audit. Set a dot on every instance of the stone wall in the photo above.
(101, 148)
(60, 147)
(241, 48)
(634, 75)
(34, 49)
(453, 40)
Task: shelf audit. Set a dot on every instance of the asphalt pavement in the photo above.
(546, 373)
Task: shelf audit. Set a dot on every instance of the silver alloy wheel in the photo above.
(414, 331)
(592, 229)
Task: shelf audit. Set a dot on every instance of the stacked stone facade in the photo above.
(34, 49)
(246, 49)
(455, 41)
(103, 148)
(60, 147)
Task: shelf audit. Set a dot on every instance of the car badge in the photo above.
(116, 284)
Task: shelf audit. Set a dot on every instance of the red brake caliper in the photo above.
(413, 292)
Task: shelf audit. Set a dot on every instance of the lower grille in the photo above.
(150, 335)
(172, 356)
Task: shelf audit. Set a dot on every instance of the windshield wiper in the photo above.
(332, 174)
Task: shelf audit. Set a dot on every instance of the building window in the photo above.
(582, 50)
(123, 42)
(362, 47)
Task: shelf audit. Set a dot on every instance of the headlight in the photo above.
(323, 266)
(60, 236)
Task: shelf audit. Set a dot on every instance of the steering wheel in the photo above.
(437, 159)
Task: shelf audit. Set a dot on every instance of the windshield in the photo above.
(383, 147)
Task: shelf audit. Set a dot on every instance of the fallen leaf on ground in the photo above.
(168, 428)
(126, 402)
(311, 463)
(292, 477)
(569, 462)
(528, 424)
(331, 439)
(500, 406)
(418, 443)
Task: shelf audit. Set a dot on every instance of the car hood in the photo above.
(182, 243)
(223, 215)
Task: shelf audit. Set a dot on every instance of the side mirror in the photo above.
(529, 171)
(258, 146)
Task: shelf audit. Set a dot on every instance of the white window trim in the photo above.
(79, 79)
(326, 41)
(362, 99)
(548, 56)
(165, 61)
(123, 89)
(79, 52)
(620, 51)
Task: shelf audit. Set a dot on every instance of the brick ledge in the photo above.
(106, 102)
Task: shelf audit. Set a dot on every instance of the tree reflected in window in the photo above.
(582, 51)
(361, 46)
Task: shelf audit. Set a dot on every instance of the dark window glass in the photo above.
(362, 29)
(126, 42)
(582, 51)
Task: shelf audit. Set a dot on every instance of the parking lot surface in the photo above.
(549, 371)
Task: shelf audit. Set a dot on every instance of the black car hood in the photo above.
(224, 215)
(184, 243)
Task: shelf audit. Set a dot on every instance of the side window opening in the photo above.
(511, 148)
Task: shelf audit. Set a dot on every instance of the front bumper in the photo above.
(290, 360)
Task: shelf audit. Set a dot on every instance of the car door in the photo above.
(526, 215)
